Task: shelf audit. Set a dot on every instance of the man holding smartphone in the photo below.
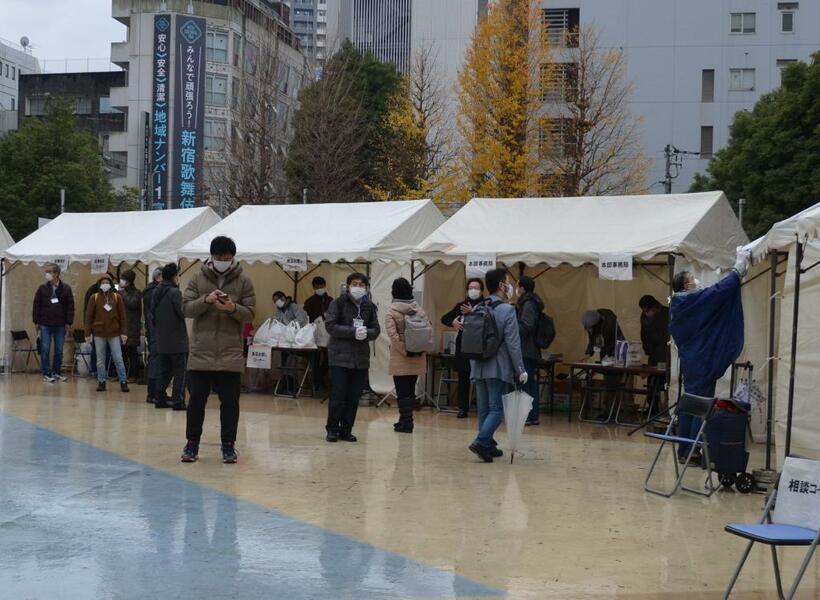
(220, 299)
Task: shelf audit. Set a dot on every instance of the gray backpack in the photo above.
(418, 333)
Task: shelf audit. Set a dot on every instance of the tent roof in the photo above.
(702, 227)
(359, 231)
(152, 236)
(805, 224)
(5, 238)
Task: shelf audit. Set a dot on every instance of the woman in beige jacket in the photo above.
(405, 368)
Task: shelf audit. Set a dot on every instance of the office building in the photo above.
(308, 19)
(15, 60)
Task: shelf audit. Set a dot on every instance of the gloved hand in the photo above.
(523, 378)
(361, 333)
(743, 256)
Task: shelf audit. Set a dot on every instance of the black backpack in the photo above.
(544, 331)
(480, 339)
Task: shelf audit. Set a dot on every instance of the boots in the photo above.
(405, 424)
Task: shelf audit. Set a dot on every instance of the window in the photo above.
(706, 141)
(237, 49)
(216, 89)
(36, 106)
(743, 22)
(13, 73)
(741, 80)
(555, 139)
(105, 106)
(284, 77)
(561, 26)
(235, 89)
(782, 64)
(216, 47)
(559, 82)
(787, 22)
(7, 69)
(707, 85)
(12, 104)
(214, 134)
(83, 106)
(251, 57)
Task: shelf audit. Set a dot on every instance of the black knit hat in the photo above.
(402, 290)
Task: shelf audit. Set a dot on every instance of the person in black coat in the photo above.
(529, 308)
(153, 358)
(654, 329)
(171, 339)
(316, 306)
(475, 295)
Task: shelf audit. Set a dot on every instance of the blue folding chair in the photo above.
(696, 406)
(773, 535)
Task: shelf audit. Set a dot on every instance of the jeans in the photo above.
(346, 386)
(531, 367)
(172, 366)
(490, 409)
(47, 334)
(227, 385)
(114, 347)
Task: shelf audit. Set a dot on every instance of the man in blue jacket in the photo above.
(494, 376)
(707, 326)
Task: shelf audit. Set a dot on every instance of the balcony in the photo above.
(121, 54)
(118, 142)
(119, 98)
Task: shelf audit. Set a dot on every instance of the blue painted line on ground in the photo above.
(80, 522)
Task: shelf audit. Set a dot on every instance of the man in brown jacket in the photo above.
(220, 299)
(105, 324)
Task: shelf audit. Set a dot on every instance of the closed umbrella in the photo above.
(517, 405)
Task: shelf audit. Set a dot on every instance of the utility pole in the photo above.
(741, 204)
(62, 200)
(304, 195)
(674, 162)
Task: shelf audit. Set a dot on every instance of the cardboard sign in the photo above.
(477, 265)
(798, 496)
(62, 262)
(99, 265)
(615, 267)
(259, 357)
(294, 263)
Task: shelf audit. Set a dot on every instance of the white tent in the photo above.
(130, 238)
(559, 241)
(798, 335)
(373, 237)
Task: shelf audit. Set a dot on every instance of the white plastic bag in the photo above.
(321, 334)
(753, 395)
(289, 338)
(262, 333)
(306, 337)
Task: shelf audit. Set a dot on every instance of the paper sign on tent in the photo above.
(615, 267)
(259, 357)
(477, 265)
(294, 263)
(99, 265)
(62, 262)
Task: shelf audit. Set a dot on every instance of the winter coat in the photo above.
(132, 298)
(53, 314)
(343, 349)
(169, 321)
(528, 309)
(606, 331)
(400, 362)
(105, 323)
(655, 335)
(460, 364)
(147, 296)
(217, 335)
(316, 306)
(507, 364)
(291, 312)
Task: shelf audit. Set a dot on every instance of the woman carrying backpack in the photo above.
(406, 366)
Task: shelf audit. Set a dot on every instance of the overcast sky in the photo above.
(60, 29)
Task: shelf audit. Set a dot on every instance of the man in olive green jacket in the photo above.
(220, 299)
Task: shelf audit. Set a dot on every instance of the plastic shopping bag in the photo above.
(322, 336)
(306, 337)
(753, 395)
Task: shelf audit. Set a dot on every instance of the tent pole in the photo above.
(670, 264)
(773, 257)
(412, 271)
(295, 285)
(790, 411)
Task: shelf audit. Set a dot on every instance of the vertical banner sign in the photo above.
(146, 161)
(477, 265)
(162, 87)
(189, 111)
(615, 267)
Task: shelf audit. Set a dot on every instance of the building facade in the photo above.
(14, 61)
(240, 42)
(308, 19)
(90, 95)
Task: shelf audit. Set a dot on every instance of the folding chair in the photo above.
(79, 340)
(696, 406)
(21, 344)
(774, 534)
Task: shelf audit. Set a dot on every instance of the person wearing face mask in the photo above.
(153, 358)
(529, 308)
(132, 298)
(315, 307)
(475, 295)
(220, 299)
(106, 325)
(352, 323)
(706, 324)
(495, 376)
(53, 315)
(171, 339)
(287, 311)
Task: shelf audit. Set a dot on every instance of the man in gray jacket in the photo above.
(494, 376)
(171, 339)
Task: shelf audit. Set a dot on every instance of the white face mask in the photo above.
(123, 283)
(319, 291)
(280, 303)
(510, 291)
(220, 266)
(105, 287)
(358, 292)
(473, 294)
(49, 277)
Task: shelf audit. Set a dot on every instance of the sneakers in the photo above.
(496, 452)
(332, 437)
(179, 406)
(403, 428)
(48, 379)
(161, 404)
(191, 452)
(229, 455)
(101, 386)
(462, 414)
(124, 386)
(482, 452)
(349, 437)
(59, 377)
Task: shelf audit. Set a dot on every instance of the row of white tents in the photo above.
(559, 241)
